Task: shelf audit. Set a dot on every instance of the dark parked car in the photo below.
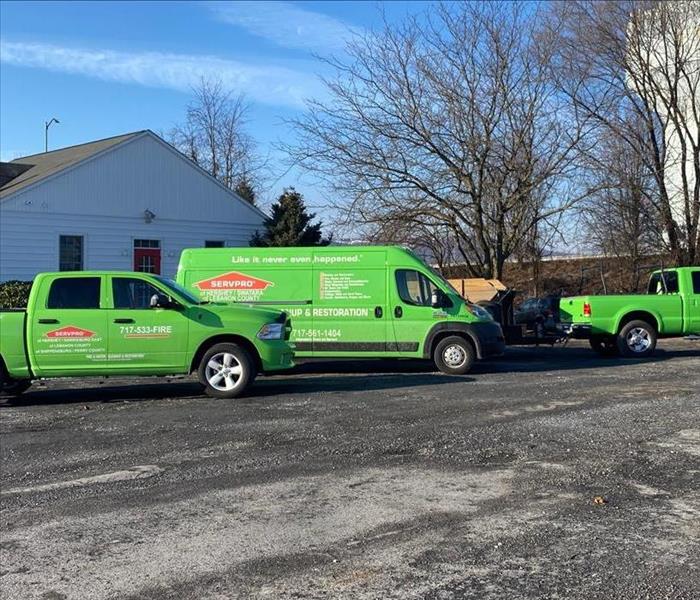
(540, 315)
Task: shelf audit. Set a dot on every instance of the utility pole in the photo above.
(48, 124)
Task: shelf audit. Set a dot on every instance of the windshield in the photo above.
(178, 289)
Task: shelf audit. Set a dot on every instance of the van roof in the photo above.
(192, 254)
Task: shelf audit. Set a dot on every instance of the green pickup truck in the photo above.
(87, 323)
(631, 324)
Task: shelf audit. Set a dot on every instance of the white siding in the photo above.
(104, 200)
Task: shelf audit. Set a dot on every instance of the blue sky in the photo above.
(105, 68)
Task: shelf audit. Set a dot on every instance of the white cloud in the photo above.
(269, 84)
(285, 24)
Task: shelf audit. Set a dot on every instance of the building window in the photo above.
(70, 253)
(146, 243)
(214, 244)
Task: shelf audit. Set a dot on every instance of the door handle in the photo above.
(124, 321)
(378, 312)
(48, 321)
(398, 312)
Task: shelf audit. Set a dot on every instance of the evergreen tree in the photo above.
(290, 224)
(245, 190)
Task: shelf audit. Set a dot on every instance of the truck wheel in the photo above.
(454, 355)
(13, 387)
(637, 339)
(226, 370)
(604, 345)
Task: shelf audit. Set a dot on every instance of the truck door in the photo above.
(411, 309)
(692, 310)
(68, 332)
(144, 338)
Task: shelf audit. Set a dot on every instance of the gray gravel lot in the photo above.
(391, 483)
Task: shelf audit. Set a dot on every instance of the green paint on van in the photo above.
(347, 301)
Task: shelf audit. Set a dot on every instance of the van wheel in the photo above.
(226, 370)
(454, 355)
(637, 339)
(605, 345)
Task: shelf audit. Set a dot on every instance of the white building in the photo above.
(130, 202)
(665, 66)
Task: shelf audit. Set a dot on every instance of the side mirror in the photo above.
(160, 301)
(437, 300)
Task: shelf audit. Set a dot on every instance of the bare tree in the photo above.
(450, 122)
(213, 136)
(622, 60)
(432, 241)
(619, 218)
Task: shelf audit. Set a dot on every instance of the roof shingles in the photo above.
(41, 166)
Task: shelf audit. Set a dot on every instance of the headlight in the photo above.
(479, 312)
(271, 331)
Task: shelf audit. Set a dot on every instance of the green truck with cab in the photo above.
(350, 301)
(630, 325)
(88, 323)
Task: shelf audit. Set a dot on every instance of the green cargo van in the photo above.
(350, 301)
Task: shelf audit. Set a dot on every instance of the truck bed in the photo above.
(12, 341)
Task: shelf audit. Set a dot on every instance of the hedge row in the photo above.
(14, 294)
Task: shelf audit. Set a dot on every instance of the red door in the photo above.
(147, 256)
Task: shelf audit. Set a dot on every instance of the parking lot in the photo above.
(549, 473)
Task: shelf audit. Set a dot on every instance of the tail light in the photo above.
(586, 309)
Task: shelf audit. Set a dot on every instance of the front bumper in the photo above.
(577, 331)
(491, 339)
(276, 355)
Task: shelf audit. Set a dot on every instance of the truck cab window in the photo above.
(132, 293)
(696, 282)
(414, 287)
(74, 292)
(664, 282)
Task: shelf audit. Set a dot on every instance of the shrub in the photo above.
(14, 294)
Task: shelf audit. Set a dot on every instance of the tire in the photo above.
(226, 370)
(604, 345)
(637, 339)
(454, 355)
(12, 387)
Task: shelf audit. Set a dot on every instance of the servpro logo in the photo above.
(233, 281)
(69, 332)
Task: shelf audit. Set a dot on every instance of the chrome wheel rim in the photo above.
(454, 356)
(638, 339)
(223, 372)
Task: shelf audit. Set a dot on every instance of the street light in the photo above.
(48, 124)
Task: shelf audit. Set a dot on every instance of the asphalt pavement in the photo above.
(548, 473)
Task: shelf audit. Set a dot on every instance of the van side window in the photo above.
(665, 282)
(74, 292)
(696, 282)
(132, 293)
(414, 287)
